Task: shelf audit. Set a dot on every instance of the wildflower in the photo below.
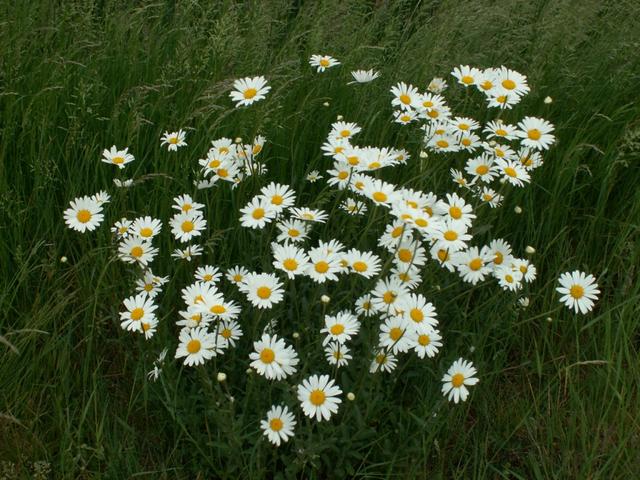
(257, 213)
(341, 327)
(146, 227)
(318, 396)
(293, 231)
(536, 133)
(122, 228)
(139, 309)
(383, 361)
(579, 291)
(466, 75)
(337, 354)
(425, 342)
(84, 214)
(263, 290)
(393, 334)
(117, 157)
(249, 90)
(237, 275)
(208, 273)
(173, 140)
(313, 176)
(289, 259)
(473, 264)
(278, 427)
(230, 330)
(197, 345)
(185, 204)
(437, 85)
(322, 62)
(363, 263)
(279, 196)
(406, 96)
(187, 253)
(364, 76)
(419, 313)
(136, 249)
(186, 226)
(458, 377)
(272, 358)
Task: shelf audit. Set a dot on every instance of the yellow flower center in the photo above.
(214, 163)
(317, 397)
(276, 424)
(222, 172)
(486, 85)
(187, 226)
(83, 216)
(416, 315)
(396, 232)
(218, 309)
(337, 329)
(475, 264)
(267, 355)
(395, 333)
(380, 197)
(534, 134)
(482, 169)
(450, 235)
(433, 113)
(442, 143)
(173, 140)
(324, 62)
(249, 93)
(360, 266)
(406, 99)
(207, 277)
(457, 380)
(194, 346)
(374, 165)
(136, 251)
(424, 340)
(405, 118)
(293, 232)
(509, 84)
(290, 264)
(345, 133)
(322, 266)
(511, 172)
(118, 160)
(263, 292)
(463, 126)
(258, 213)
(466, 142)
(501, 132)
(498, 259)
(226, 333)
(277, 200)
(405, 255)
(421, 222)
(576, 291)
(381, 359)
(508, 278)
(389, 297)
(443, 255)
(257, 148)
(343, 175)
(146, 326)
(137, 313)
(455, 212)
(467, 79)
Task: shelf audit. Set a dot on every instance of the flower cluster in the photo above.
(421, 230)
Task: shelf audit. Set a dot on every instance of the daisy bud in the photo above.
(63, 259)
(492, 143)
(339, 118)
(249, 371)
(238, 140)
(232, 399)
(326, 104)
(222, 377)
(423, 154)
(548, 100)
(524, 302)
(472, 349)
(325, 299)
(296, 335)
(503, 181)
(549, 319)
(530, 250)
(351, 396)
(518, 209)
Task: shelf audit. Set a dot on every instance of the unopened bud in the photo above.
(238, 140)
(423, 154)
(548, 100)
(296, 335)
(326, 104)
(530, 250)
(325, 299)
(549, 319)
(518, 209)
(222, 377)
(339, 118)
(472, 349)
(63, 259)
(351, 396)
(249, 371)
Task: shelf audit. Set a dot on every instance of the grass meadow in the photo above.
(558, 392)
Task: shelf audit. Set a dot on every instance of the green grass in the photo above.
(558, 398)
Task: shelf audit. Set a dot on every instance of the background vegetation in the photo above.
(558, 396)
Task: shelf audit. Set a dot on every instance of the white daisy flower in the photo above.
(136, 249)
(513, 172)
(272, 358)
(364, 306)
(364, 76)
(309, 214)
(293, 231)
(458, 377)
(173, 140)
(419, 313)
(186, 226)
(406, 96)
(84, 214)
(354, 207)
(230, 330)
(365, 264)
(393, 334)
(146, 227)
(322, 62)
(318, 396)
(536, 133)
(208, 274)
(197, 346)
(249, 90)
(237, 275)
(263, 290)
(139, 309)
(257, 213)
(426, 342)
(323, 265)
(473, 264)
(279, 196)
(187, 253)
(437, 85)
(383, 361)
(508, 278)
(337, 354)
(278, 427)
(185, 204)
(291, 260)
(313, 176)
(466, 75)
(117, 157)
(579, 291)
(341, 327)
